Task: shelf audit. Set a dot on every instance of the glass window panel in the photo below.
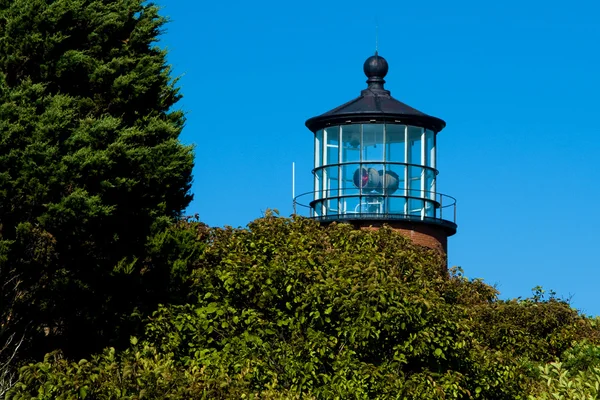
(348, 186)
(429, 148)
(415, 175)
(429, 209)
(350, 143)
(317, 209)
(350, 155)
(372, 142)
(318, 179)
(332, 207)
(414, 145)
(332, 145)
(332, 184)
(394, 141)
(330, 189)
(369, 177)
(322, 208)
(415, 207)
(372, 204)
(396, 205)
(350, 205)
(395, 172)
(392, 179)
(430, 183)
(318, 148)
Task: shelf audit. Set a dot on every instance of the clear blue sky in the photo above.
(516, 81)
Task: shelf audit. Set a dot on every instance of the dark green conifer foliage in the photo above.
(90, 163)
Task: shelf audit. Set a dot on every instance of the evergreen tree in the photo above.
(90, 165)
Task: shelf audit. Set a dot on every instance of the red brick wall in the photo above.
(422, 234)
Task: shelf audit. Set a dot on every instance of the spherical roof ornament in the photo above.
(376, 68)
(375, 104)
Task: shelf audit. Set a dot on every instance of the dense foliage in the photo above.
(90, 167)
(288, 309)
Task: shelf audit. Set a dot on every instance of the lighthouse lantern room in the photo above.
(375, 162)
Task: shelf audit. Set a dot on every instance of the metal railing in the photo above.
(417, 205)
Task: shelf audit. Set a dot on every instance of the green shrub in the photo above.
(289, 309)
(558, 383)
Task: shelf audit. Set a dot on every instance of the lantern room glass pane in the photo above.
(399, 171)
(318, 148)
(372, 204)
(430, 148)
(430, 184)
(332, 178)
(372, 142)
(414, 186)
(331, 189)
(318, 183)
(369, 178)
(396, 205)
(414, 145)
(391, 179)
(350, 143)
(332, 144)
(317, 209)
(415, 206)
(395, 141)
(350, 205)
(348, 186)
(429, 209)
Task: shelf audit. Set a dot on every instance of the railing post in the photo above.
(441, 206)
(454, 211)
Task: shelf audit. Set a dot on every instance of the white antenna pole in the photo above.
(294, 185)
(293, 180)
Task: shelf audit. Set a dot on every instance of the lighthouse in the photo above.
(375, 163)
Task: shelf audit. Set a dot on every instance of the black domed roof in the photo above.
(375, 104)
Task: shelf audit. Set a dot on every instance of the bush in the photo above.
(290, 309)
(558, 383)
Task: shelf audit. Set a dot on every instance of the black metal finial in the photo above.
(376, 68)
